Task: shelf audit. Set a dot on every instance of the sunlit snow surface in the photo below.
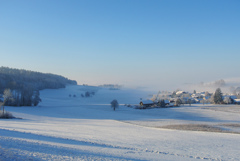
(79, 128)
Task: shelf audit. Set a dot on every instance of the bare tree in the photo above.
(114, 104)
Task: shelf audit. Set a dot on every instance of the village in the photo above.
(166, 99)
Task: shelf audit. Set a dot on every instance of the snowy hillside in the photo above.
(86, 128)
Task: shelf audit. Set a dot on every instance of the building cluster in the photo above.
(182, 97)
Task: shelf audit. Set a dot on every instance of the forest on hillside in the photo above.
(25, 84)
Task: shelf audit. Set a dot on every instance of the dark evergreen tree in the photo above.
(36, 98)
(26, 97)
(217, 98)
(162, 103)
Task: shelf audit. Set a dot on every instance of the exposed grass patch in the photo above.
(231, 125)
(199, 127)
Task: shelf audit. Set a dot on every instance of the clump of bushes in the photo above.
(6, 115)
(88, 94)
(128, 105)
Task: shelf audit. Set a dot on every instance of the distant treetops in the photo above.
(24, 85)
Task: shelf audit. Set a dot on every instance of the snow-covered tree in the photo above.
(207, 94)
(154, 98)
(227, 100)
(7, 96)
(178, 102)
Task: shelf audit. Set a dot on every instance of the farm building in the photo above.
(146, 103)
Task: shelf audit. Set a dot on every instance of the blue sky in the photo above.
(158, 44)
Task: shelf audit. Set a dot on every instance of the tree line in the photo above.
(23, 86)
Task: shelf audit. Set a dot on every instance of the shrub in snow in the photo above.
(87, 94)
(114, 104)
(6, 115)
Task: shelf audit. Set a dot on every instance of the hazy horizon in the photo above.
(154, 45)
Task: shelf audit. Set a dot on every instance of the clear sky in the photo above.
(139, 43)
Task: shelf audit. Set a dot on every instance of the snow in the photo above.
(86, 128)
(180, 92)
(237, 100)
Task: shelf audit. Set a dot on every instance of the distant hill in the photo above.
(20, 78)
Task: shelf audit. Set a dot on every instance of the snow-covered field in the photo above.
(77, 128)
